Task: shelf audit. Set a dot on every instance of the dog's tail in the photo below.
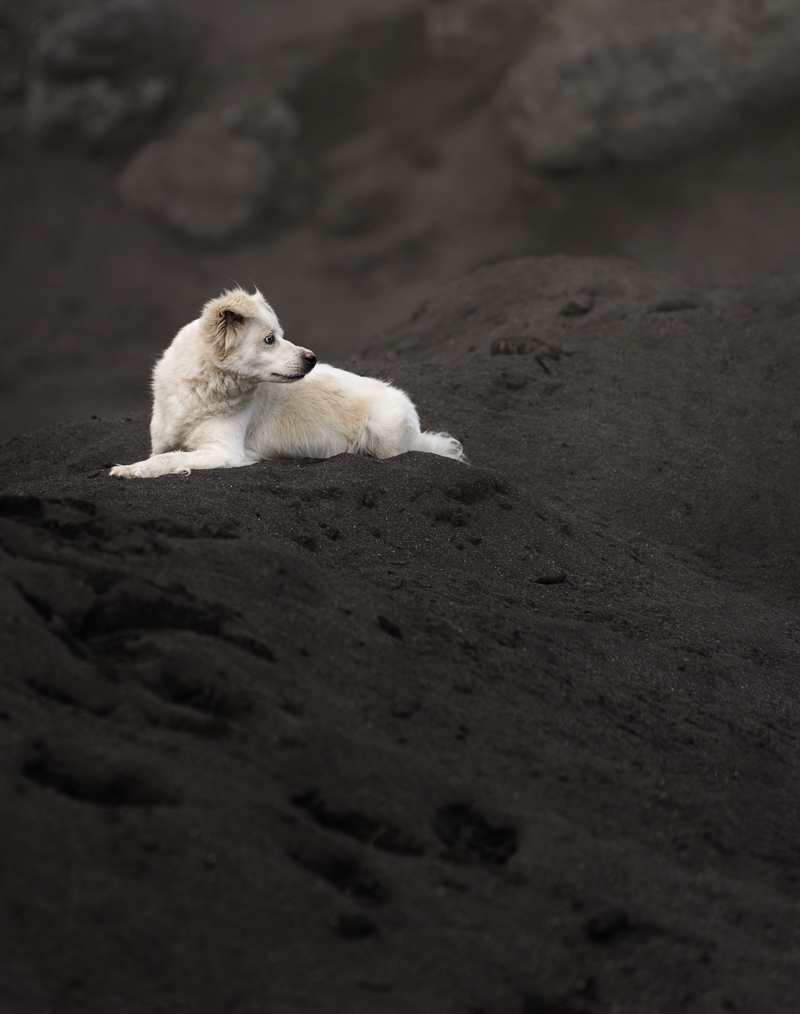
(441, 443)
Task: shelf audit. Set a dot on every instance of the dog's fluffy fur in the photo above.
(230, 390)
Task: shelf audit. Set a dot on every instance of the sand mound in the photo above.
(349, 735)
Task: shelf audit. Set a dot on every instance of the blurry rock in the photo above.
(93, 111)
(462, 30)
(636, 79)
(101, 40)
(206, 181)
(364, 185)
(364, 201)
(279, 125)
(577, 304)
(273, 122)
(98, 73)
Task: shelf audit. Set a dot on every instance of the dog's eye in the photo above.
(270, 339)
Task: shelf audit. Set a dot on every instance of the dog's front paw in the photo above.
(138, 470)
(149, 469)
(125, 472)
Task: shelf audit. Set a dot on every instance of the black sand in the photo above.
(518, 737)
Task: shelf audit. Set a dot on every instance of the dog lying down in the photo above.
(230, 390)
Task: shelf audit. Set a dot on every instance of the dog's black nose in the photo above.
(310, 359)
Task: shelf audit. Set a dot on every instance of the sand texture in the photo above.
(513, 737)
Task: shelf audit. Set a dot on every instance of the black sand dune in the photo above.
(518, 737)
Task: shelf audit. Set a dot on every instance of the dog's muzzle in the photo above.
(309, 361)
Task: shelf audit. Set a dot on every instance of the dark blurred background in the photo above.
(350, 156)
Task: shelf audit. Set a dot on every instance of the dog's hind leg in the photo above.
(440, 443)
(180, 462)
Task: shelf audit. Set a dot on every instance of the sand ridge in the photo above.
(512, 737)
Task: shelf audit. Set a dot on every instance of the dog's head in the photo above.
(247, 339)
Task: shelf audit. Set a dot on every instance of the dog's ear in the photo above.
(226, 317)
(228, 325)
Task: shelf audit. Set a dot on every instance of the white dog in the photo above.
(230, 390)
